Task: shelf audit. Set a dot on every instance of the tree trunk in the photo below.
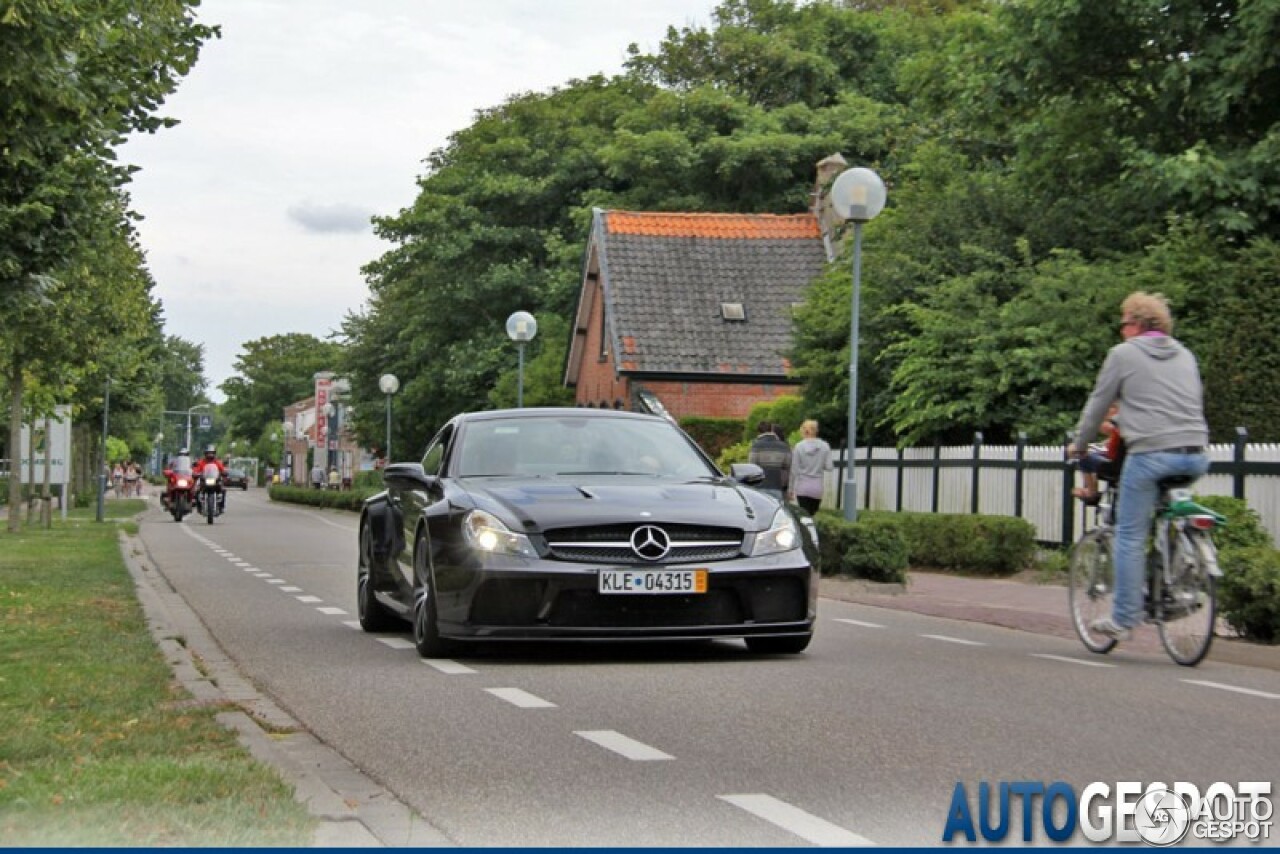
(15, 445)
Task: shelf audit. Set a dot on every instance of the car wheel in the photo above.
(779, 645)
(426, 629)
(373, 616)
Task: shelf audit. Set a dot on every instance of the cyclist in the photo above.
(1155, 380)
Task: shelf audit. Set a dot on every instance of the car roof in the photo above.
(555, 411)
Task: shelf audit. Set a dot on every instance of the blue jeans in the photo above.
(1136, 504)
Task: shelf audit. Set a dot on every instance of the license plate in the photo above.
(653, 581)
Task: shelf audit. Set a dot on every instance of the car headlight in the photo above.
(484, 532)
(782, 536)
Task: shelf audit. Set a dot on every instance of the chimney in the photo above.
(828, 168)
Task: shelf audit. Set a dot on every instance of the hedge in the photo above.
(350, 499)
(713, 435)
(1249, 592)
(985, 545)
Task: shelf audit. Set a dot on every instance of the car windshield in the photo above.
(577, 445)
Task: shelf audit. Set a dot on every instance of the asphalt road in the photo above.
(861, 739)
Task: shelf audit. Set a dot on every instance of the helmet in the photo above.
(210, 451)
(182, 452)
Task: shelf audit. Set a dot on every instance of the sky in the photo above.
(307, 117)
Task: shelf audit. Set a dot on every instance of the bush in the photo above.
(786, 411)
(987, 545)
(733, 454)
(713, 435)
(871, 548)
(877, 552)
(1249, 592)
(351, 499)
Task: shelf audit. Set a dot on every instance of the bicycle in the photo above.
(1181, 572)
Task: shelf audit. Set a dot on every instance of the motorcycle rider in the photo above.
(179, 464)
(211, 458)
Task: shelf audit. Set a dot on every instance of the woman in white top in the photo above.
(810, 461)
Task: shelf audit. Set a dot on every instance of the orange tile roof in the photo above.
(719, 225)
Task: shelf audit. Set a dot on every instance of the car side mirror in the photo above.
(408, 476)
(748, 474)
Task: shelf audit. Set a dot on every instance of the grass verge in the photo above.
(94, 748)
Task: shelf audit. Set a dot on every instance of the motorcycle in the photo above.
(211, 495)
(176, 498)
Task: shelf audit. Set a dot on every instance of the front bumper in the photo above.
(551, 600)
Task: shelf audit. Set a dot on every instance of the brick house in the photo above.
(690, 313)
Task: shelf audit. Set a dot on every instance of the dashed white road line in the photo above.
(274, 580)
(1235, 688)
(290, 589)
(331, 611)
(309, 600)
(949, 639)
(620, 744)
(807, 826)
(353, 624)
(1069, 660)
(445, 665)
(520, 699)
(396, 643)
(862, 623)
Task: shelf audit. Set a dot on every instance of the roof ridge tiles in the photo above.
(729, 226)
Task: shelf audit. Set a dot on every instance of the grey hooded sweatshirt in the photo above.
(1156, 383)
(810, 460)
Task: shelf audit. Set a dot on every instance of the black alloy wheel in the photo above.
(426, 629)
(373, 616)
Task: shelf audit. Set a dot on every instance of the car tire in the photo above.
(426, 627)
(766, 645)
(373, 616)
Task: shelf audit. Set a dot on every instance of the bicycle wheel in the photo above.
(1189, 605)
(1092, 588)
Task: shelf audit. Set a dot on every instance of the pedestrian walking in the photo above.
(131, 474)
(317, 476)
(117, 479)
(773, 454)
(810, 462)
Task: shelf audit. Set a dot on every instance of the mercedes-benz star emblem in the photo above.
(650, 542)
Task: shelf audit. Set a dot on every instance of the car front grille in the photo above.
(611, 544)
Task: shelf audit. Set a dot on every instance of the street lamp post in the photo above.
(521, 327)
(389, 384)
(331, 414)
(858, 195)
(102, 475)
(190, 410)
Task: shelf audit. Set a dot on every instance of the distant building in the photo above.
(690, 313)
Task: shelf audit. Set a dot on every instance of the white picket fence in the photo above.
(1043, 481)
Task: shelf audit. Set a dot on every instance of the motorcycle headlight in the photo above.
(484, 532)
(182, 483)
(782, 536)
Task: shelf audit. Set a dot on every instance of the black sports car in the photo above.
(581, 524)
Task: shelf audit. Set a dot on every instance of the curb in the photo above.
(352, 810)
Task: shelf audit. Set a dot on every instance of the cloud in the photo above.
(329, 219)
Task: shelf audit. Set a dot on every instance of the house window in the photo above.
(733, 311)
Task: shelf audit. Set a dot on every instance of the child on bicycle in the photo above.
(1103, 459)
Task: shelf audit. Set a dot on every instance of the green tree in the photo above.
(75, 78)
(272, 373)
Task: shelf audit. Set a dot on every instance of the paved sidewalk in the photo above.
(1015, 604)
